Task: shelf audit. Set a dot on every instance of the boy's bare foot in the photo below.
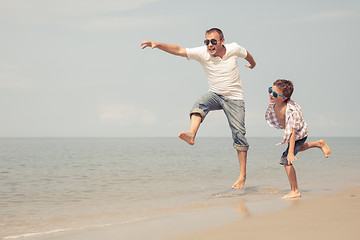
(239, 184)
(291, 195)
(187, 137)
(325, 148)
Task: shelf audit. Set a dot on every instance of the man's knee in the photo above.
(241, 148)
(198, 113)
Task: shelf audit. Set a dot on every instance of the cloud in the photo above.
(125, 115)
(69, 7)
(40, 12)
(329, 16)
(81, 15)
(13, 77)
(106, 23)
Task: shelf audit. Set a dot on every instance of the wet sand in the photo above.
(336, 216)
(333, 216)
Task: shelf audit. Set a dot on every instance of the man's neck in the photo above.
(222, 52)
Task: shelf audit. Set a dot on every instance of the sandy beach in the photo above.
(336, 216)
(333, 216)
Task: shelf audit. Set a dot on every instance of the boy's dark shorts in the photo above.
(298, 145)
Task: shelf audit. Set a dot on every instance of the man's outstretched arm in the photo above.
(169, 48)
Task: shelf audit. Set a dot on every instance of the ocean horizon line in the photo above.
(175, 137)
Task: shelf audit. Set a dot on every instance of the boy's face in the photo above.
(279, 98)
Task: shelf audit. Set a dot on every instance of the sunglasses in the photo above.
(275, 94)
(212, 41)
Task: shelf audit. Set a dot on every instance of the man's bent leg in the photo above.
(201, 108)
(242, 156)
(195, 122)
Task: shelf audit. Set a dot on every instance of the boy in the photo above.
(284, 113)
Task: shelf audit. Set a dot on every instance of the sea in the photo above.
(52, 186)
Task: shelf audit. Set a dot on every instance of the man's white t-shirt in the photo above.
(223, 74)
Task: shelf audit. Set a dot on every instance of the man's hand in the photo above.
(146, 44)
(169, 48)
(250, 66)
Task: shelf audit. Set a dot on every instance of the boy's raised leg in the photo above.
(195, 122)
(239, 184)
(318, 144)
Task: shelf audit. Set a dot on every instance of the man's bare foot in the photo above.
(239, 184)
(291, 195)
(325, 148)
(187, 137)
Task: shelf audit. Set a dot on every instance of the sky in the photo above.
(75, 68)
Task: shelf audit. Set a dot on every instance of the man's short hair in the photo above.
(286, 87)
(221, 35)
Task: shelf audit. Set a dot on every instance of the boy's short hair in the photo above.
(221, 35)
(286, 87)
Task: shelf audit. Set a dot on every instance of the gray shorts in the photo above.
(298, 145)
(234, 110)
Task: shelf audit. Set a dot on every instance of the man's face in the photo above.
(214, 49)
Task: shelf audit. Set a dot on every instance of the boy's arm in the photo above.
(251, 61)
(169, 48)
(291, 157)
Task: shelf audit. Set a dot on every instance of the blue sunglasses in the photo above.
(275, 94)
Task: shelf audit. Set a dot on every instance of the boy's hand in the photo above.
(291, 158)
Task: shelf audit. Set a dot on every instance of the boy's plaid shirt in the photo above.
(293, 120)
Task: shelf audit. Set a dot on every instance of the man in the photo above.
(219, 61)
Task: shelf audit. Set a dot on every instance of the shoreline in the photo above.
(329, 216)
(333, 216)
